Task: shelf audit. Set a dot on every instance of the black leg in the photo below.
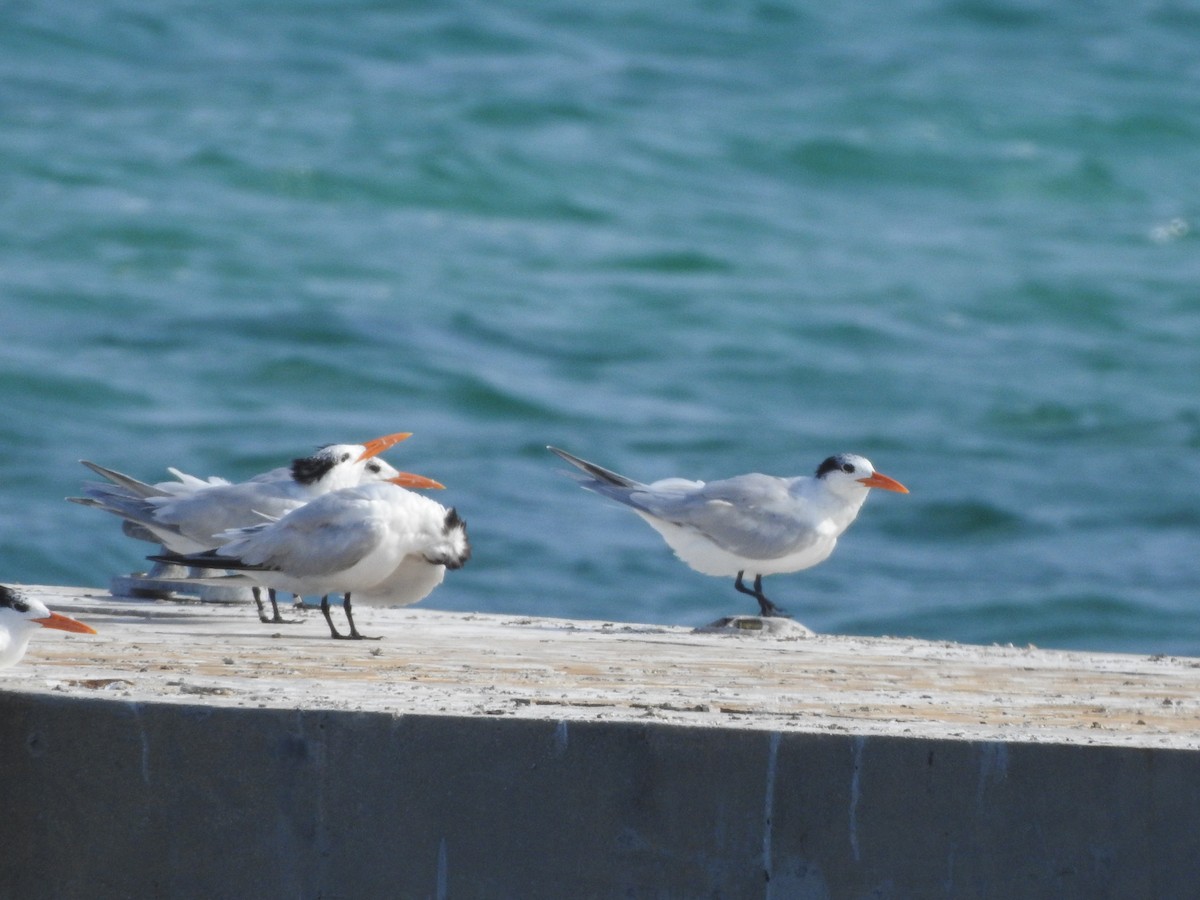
(276, 618)
(765, 606)
(350, 618)
(333, 632)
(262, 613)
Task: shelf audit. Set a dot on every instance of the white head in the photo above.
(851, 476)
(20, 617)
(337, 466)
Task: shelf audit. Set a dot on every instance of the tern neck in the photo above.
(840, 503)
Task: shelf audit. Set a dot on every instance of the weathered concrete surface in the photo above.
(189, 751)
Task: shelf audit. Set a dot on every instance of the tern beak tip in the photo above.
(378, 445)
(420, 482)
(65, 623)
(879, 480)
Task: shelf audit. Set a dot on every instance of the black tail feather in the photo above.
(597, 472)
(207, 560)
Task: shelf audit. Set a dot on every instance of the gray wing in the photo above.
(131, 485)
(305, 548)
(751, 515)
(139, 516)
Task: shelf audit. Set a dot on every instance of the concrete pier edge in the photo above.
(125, 780)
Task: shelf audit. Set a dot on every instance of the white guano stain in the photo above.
(769, 806)
(560, 738)
(993, 767)
(443, 873)
(859, 745)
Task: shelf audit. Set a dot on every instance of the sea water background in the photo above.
(698, 238)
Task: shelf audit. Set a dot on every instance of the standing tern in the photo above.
(20, 616)
(753, 523)
(378, 541)
(186, 515)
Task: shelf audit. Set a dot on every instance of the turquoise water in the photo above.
(959, 238)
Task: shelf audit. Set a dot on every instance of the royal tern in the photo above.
(186, 515)
(379, 542)
(20, 616)
(754, 523)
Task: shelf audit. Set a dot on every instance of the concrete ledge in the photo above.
(188, 752)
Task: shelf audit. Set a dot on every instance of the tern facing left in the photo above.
(20, 617)
(757, 524)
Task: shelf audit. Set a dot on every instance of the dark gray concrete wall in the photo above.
(110, 799)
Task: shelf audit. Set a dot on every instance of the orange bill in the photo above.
(63, 623)
(409, 480)
(377, 446)
(879, 480)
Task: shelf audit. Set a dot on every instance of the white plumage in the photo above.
(758, 524)
(20, 618)
(188, 514)
(378, 542)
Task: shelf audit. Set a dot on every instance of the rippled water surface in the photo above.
(956, 237)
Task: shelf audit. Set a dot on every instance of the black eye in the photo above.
(373, 467)
(847, 467)
(345, 457)
(20, 606)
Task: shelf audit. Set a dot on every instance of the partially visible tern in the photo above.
(20, 617)
(380, 542)
(186, 515)
(757, 524)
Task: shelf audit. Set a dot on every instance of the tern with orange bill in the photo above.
(20, 617)
(749, 524)
(386, 543)
(186, 515)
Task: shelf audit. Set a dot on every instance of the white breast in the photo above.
(708, 559)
